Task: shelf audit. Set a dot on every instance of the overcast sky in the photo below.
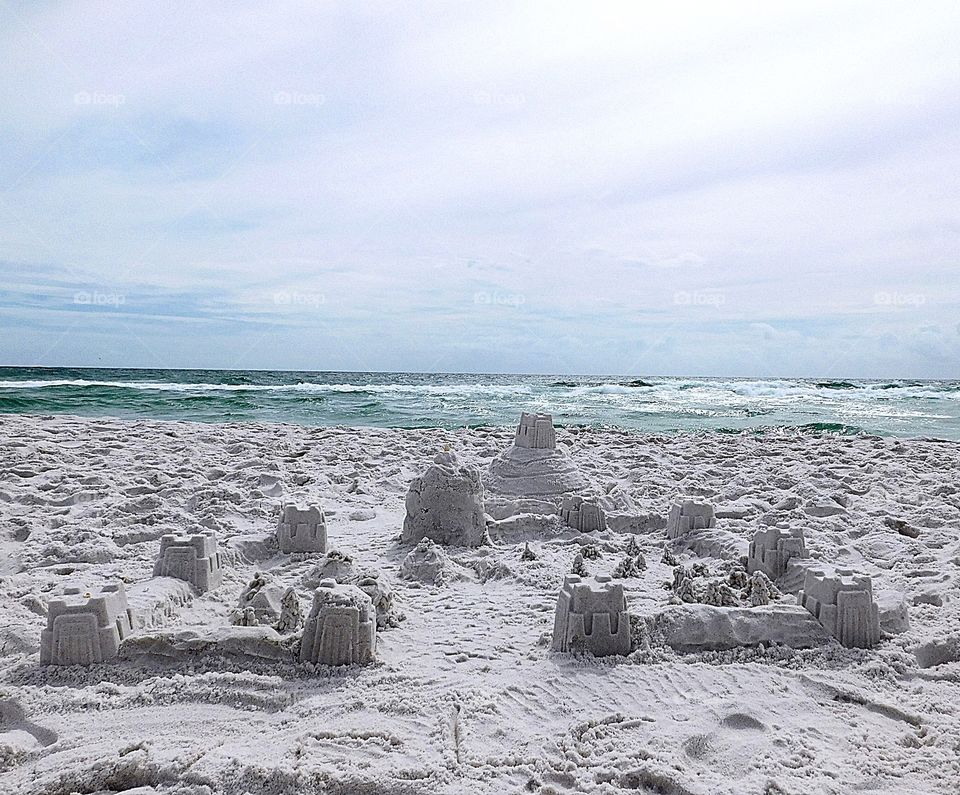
(627, 188)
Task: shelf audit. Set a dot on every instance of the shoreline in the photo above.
(773, 431)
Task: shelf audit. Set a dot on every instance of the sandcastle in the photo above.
(773, 547)
(341, 628)
(689, 514)
(445, 504)
(302, 529)
(843, 604)
(86, 628)
(591, 615)
(582, 514)
(692, 524)
(193, 558)
(533, 465)
(535, 432)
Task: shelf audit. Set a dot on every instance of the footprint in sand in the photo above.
(729, 742)
(17, 731)
(742, 722)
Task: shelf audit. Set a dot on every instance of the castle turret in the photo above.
(341, 628)
(843, 604)
(536, 431)
(84, 628)
(193, 558)
(591, 616)
(302, 529)
(773, 547)
(581, 514)
(690, 514)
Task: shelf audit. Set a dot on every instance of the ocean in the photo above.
(413, 400)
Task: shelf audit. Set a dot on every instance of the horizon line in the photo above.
(639, 376)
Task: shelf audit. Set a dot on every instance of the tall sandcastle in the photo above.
(533, 465)
(445, 504)
(341, 628)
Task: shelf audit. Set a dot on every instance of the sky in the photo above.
(730, 189)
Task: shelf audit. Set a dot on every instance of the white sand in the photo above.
(466, 696)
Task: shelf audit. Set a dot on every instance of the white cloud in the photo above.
(779, 164)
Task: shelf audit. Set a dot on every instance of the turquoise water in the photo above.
(409, 400)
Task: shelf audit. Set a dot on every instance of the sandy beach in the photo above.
(466, 694)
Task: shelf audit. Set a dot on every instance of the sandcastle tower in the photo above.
(689, 514)
(86, 628)
(582, 514)
(843, 604)
(445, 504)
(302, 529)
(536, 432)
(341, 628)
(591, 615)
(193, 558)
(533, 465)
(773, 547)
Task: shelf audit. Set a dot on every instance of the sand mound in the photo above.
(534, 472)
(334, 565)
(375, 585)
(259, 602)
(428, 562)
(445, 504)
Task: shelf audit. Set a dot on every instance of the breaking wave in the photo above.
(903, 407)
